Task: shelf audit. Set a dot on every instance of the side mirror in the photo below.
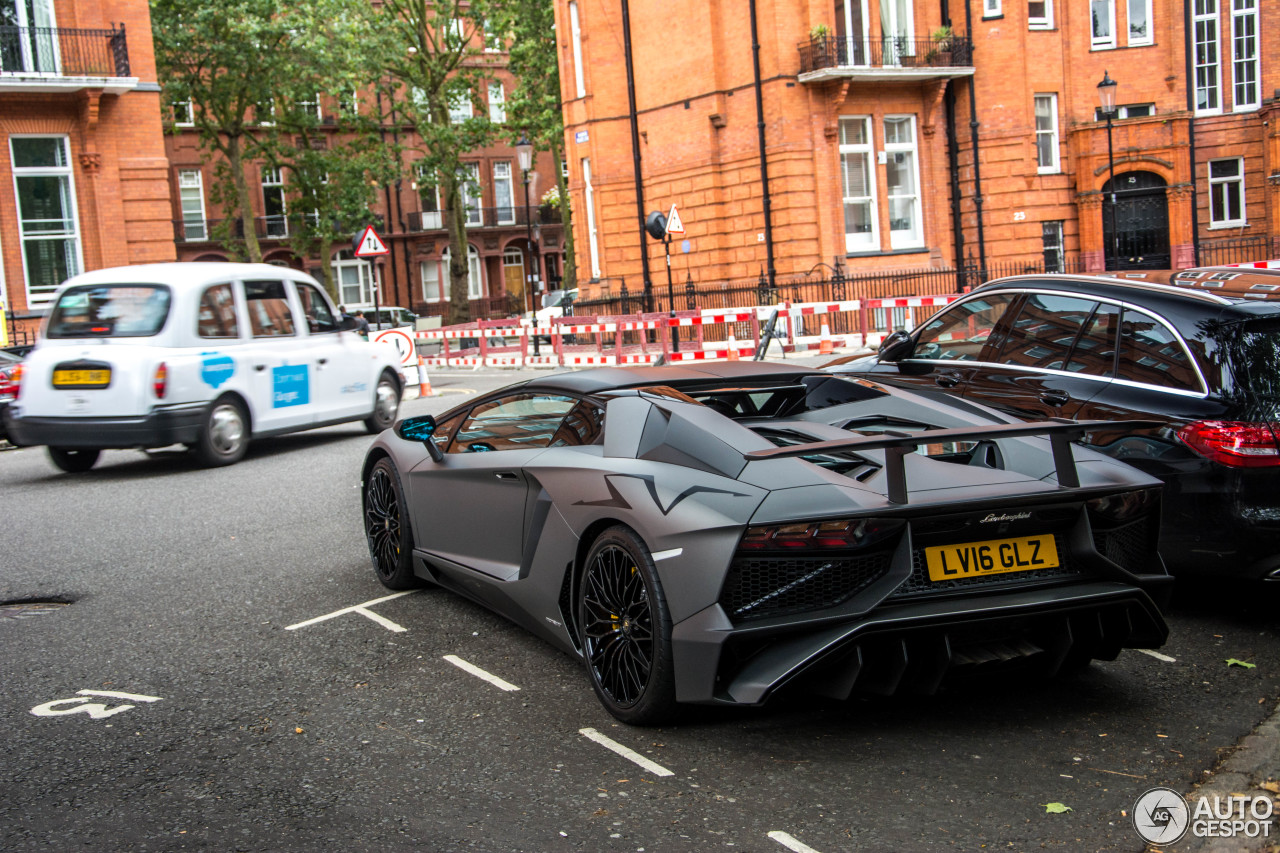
(423, 429)
(896, 346)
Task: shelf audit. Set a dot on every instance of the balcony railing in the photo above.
(62, 52)
(892, 52)
(264, 228)
(486, 217)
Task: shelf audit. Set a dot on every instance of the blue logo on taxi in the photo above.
(291, 386)
(216, 369)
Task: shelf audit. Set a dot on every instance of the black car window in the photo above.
(110, 311)
(583, 425)
(445, 430)
(314, 307)
(514, 422)
(1151, 354)
(217, 317)
(1095, 352)
(960, 332)
(1044, 330)
(269, 314)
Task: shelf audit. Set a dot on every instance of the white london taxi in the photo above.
(208, 355)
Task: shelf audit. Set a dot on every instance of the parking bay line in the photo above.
(790, 843)
(480, 673)
(1157, 655)
(361, 609)
(629, 754)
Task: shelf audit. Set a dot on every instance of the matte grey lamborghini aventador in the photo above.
(715, 534)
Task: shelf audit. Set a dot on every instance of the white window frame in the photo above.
(992, 9)
(1140, 40)
(273, 178)
(493, 42)
(1206, 22)
(460, 107)
(861, 241)
(426, 177)
(1053, 228)
(912, 148)
(469, 176)
(1250, 65)
(499, 168)
(312, 105)
(475, 274)
(75, 263)
(430, 271)
(1055, 166)
(191, 114)
(192, 179)
(1222, 186)
(42, 26)
(1107, 42)
(575, 39)
(497, 103)
(1041, 22)
(364, 275)
(592, 238)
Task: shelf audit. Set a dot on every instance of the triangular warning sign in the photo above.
(674, 225)
(370, 244)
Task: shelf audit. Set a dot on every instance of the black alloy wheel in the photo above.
(626, 630)
(74, 460)
(387, 528)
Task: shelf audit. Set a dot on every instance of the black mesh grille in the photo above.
(1128, 546)
(919, 584)
(758, 587)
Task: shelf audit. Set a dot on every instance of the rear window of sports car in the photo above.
(110, 311)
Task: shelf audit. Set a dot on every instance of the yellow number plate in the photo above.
(993, 557)
(81, 378)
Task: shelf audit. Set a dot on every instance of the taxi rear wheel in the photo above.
(386, 404)
(225, 436)
(74, 460)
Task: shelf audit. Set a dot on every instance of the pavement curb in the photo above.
(1255, 760)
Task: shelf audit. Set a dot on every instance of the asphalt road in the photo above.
(253, 727)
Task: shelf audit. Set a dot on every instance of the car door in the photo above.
(343, 386)
(1056, 353)
(949, 346)
(471, 507)
(281, 391)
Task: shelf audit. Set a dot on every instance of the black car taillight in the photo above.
(843, 534)
(1236, 444)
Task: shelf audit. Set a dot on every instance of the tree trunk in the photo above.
(326, 271)
(459, 262)
(566, 216)
(235, 162)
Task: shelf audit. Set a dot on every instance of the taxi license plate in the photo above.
(992, 557)
(81, 378)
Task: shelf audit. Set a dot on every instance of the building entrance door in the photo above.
(1141, 237)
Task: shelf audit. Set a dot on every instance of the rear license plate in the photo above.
(81, 378)
(992, 557)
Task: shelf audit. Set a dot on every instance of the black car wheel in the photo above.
(626, 630)
(225, 436)
(386, 403)
(74, 460)
(386, 526)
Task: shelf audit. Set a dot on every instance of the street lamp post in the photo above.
(524, 153)
(1107, 99)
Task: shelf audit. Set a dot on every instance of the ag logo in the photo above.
(1161, 816)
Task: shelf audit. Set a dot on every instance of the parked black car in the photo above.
(1200, 354)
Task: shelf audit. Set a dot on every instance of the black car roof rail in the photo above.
(1061, 433)
(1155, 287)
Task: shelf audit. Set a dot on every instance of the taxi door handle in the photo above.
(259, 367)
(322, 361)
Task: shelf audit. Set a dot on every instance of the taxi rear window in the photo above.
(110, 311)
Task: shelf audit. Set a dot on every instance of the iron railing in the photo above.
(264, 228)
(63, 52)
(889, 52)
(486, 217)
(1237, 250)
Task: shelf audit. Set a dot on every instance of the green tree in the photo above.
(243, 66)
(533, 109)
(432, 50)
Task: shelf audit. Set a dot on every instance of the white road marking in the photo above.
(664, 555)
(116, 694)
(629, 754)
(790, 843)
(96, 710)
(480, 673)
(361, 609)
(1157, 655)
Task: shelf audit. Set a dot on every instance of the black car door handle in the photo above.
(259, 367)
(506, 475)
(322, 361)
(1055, 398)
(946, 380)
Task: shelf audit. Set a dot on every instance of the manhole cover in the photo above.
(27, 609)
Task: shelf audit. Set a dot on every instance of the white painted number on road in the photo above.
(96, 710)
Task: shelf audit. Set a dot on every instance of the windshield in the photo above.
(110, 311)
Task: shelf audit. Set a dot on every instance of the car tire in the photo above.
(74, 460)
(626, 630)
(225, 436)
(386, 404)
(386, 527)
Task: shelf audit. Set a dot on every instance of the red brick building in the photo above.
(81, 148)
(906, 135)
(408, 215)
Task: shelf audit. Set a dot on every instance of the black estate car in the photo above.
(1201, 355)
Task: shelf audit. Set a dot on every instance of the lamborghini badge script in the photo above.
(1017, 516)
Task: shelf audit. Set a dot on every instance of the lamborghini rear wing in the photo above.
(897, 445)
